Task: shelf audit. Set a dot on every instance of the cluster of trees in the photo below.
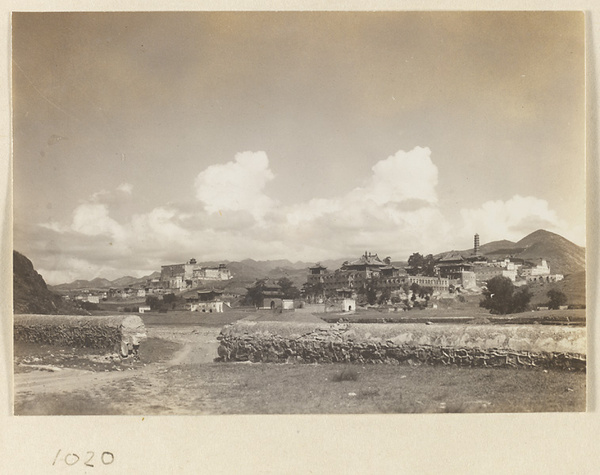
(501, 297)
(373, 293)
(169, 301)
(421, 265)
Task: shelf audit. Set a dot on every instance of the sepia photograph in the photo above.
(326, 212)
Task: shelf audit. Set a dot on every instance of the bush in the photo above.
(89, 306)
(557, 299)
(347, 374)
(500, 297)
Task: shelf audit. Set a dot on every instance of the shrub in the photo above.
(347, 374)
(557, 299)
(500, 296)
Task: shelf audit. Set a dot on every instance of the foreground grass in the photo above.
(234, 388)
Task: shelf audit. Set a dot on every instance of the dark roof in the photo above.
(318, 266)
(367, 260)
(452, 256)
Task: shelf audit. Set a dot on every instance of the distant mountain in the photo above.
(100, 283)
(563, 256)
(30, 292)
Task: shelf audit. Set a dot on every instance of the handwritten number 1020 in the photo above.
(72, 458)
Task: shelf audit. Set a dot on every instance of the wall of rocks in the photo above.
(122, 333)
(412, 343)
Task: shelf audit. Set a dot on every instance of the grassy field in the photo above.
(232, 388)
(175, 374)
(466, 315)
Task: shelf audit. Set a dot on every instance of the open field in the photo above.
(466, 315)
(175, 374)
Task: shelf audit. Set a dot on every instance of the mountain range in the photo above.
(563, 257)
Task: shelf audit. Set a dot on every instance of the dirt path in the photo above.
(199, 347)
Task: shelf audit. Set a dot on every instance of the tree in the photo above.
(170, 299)
(557, 298)
(386, 295)
(288, 289)
(415, 264)
(500, 296)
(254, 296)
(153, 302)
(425, 292)
(419, 265)
(371, 291)
(313, 291)
(520, 300)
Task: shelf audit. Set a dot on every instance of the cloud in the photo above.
(125, 188)
(390, 214)
(402, 177)
(237, 185)
(92, 219)
(394, 213)
(512, 219)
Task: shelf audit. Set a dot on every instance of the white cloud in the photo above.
(402, 177)
(395, 213)
(237, 185)
(92, 219)
(512, 219)
(159, 227)
(125, 188)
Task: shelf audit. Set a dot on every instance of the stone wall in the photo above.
(121, 333)
(468, 345)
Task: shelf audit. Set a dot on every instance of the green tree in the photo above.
(557, 298)
(500, 296)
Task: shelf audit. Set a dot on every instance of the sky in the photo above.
(145, 139)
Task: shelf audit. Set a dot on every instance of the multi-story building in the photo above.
(191, 274)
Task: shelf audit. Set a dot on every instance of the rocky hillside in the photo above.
(30, 293)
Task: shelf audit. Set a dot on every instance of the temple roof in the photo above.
(367, 260)
(452, 256)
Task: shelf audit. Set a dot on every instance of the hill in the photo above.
(563, 256)
(573, 286)
(30, 292)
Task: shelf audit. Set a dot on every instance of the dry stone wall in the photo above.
(413, 343)
(121, 333)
